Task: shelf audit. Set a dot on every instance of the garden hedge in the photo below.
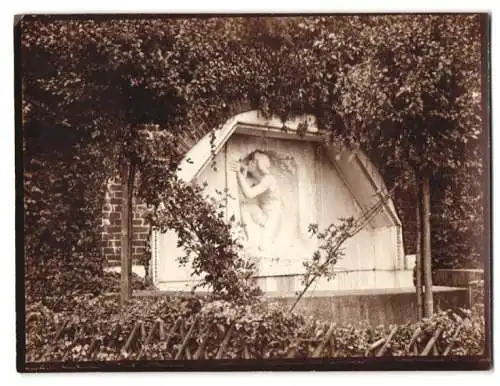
(94, 329)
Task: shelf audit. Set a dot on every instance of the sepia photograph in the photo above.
(253, 192)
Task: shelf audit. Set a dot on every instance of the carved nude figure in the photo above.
(261, 211)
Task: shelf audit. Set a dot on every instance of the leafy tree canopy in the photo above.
(405, 88)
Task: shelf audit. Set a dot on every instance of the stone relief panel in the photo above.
(275, 200)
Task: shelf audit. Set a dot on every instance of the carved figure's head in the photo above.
(258, 162)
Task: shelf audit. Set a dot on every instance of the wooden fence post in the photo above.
(136, 331)
(413, 340)
(453, 339)
(200, 350)
(171, 332)
(224, 343)
(386, 343)
(375, 345)
(324, 341)
(431, 342)
(186, 339)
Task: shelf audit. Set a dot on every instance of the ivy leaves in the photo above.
(414, 72)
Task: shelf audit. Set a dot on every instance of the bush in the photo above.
(111, 282)
(260, 331)
(57, 277)
(63, 198)
(477, 288)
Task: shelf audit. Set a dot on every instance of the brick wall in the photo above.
(111, 221)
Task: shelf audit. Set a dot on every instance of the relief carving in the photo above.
(269, 195)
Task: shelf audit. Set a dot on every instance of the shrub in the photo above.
(59, 277)
(111, 282)
(477, 288)
(259, 331)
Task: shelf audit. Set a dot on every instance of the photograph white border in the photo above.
(7, 202)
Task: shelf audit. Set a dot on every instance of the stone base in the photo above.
(343, 281)
(456, 277)
(331, 301)
(137, 269)
(373, 307)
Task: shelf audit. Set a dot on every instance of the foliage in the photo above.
(427, 109)
(458, 200)
(261, 331)
(206, 238)
(405, 88)
(478, 291)
(74, 287)
(62, 196)
(99, 83)
(111, 282)
(62, 277)
(409, 93)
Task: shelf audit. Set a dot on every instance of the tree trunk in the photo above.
(425, 242)
(147, 261)
(130, 191)
(418, 265)
(127, 181)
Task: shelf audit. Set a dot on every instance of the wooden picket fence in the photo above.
(186, 339)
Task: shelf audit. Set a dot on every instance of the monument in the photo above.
(279, 181)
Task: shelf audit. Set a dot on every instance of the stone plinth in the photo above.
(374, 307)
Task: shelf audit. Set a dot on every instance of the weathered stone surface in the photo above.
(456, 277)
(374, 307)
